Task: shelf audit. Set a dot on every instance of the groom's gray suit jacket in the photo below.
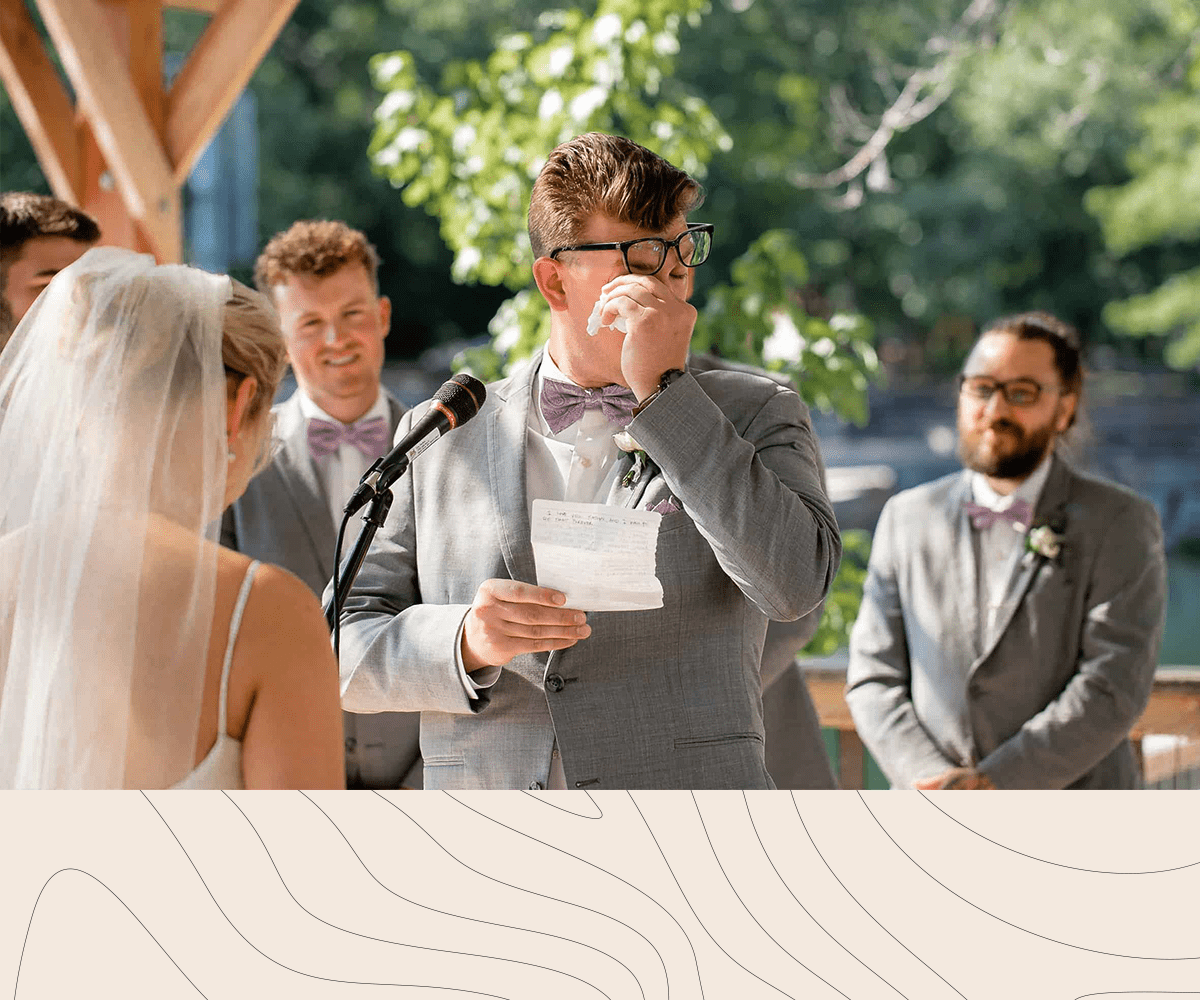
(1050, 698)
(667, 698)
(284, 518)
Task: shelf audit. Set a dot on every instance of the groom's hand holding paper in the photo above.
(508, 618)
(601, 557)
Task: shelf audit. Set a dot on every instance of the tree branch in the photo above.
(907, 109)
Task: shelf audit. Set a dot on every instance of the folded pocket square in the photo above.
(668, 506)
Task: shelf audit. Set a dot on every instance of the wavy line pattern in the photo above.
(598, 896)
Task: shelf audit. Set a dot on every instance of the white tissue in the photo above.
(593, 323)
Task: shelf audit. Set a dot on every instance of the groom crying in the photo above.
(517, 688)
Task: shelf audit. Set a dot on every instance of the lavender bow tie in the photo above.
(1019, 513)
(371, 437)
(564, 402)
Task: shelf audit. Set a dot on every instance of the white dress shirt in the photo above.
(1001, 544)
(576, 465)
(340, 472)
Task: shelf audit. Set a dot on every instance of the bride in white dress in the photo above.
(135, 652)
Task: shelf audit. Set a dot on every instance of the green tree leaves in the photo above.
(760, 320)
(469, 149)
(1161, 204)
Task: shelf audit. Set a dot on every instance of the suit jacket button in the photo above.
(351, 743)
(555, 682)
(536, 786)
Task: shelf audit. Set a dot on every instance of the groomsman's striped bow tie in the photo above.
(371, 437)
(1018, 514)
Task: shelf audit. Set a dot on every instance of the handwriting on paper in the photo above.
(601, 557)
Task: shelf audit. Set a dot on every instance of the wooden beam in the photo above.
(1174, 704)
(144, 30)
(217, 70)
(101, 199)
(1174, 709)
(40, 100)
(851, 759)
(827, 685)
(1165, 764)
(113, 107)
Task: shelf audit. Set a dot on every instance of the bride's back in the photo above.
(134, 407)
(282, 679)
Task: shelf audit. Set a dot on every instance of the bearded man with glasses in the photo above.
(1013, 613)
(517, 689)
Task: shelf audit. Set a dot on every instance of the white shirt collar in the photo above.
(547, 370)
(311, 411)
(1030, 489)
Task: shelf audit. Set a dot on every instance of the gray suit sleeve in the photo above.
(1122, 633)
(386, 630)
(756, 497)
(879, 674)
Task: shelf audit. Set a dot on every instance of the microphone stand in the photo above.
(454, 403)
(373, 520)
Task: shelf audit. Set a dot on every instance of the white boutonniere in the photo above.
(641, 460)
(1044, 541)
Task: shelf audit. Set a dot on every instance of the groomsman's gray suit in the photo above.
(796, 754)
(668, 698)
(1050, 699)
(284, 518)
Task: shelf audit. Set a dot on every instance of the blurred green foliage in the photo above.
(1160, 202)
(759, 319)
(845, 596)
(980, 209)
(469, 149)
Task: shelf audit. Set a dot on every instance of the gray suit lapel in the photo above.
(629, 496)
(506, 435)
(300, 479)
(1050, 508)
(962, 570)
(395, 412)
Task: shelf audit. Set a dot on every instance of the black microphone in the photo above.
(456, 402)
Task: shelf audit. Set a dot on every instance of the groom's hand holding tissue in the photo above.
(658, 327)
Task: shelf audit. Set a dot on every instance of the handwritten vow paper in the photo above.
(601, 557)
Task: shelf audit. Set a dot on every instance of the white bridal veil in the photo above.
(112, 478)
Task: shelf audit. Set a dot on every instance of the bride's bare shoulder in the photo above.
(281, 607)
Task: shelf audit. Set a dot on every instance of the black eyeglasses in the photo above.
(647, 255)
(1020, 392)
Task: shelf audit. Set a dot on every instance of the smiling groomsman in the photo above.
(322, 277)
(1012, 613)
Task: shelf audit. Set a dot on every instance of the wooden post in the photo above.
(40, 100)
(851, 759)
(216, 71)
(98, 45)
(124, 149)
